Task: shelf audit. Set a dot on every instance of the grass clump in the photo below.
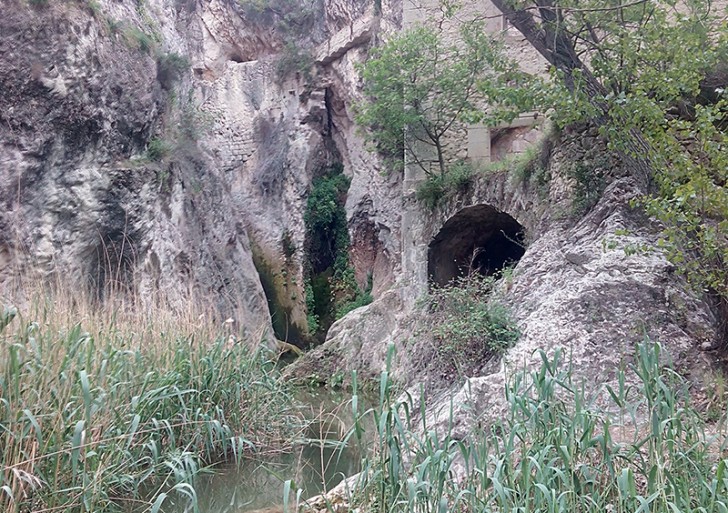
(469, 325)
(558, 448)
(158, 149)
(100, 412)
(137, 39)
(458, 179)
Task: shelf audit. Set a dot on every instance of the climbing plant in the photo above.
(331, 288)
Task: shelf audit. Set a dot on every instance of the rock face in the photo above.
(89, 96)
(592, 285)
(159, 148)
(166, 149)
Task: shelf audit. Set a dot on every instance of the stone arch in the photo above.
(479, 239)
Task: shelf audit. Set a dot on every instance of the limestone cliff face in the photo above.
(155, 146)
(166, 148)
(591, 282)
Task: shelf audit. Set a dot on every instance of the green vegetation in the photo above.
(331, 288)
(420, 89)
(558, 448)
(360, 298)
(137, 39)
(589, 186)
(158, 149)
(468, 323)
(652, 77)
(104, 410)
(528, 168)
(649, 75)
(170, 67)
(457, 180)
(294, 59)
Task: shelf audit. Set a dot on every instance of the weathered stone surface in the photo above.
(593, 286)
(358, 341)
(83, 98)
(85, 92)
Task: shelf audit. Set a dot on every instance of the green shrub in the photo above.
(312, 320)
(138, 39)
(361, 298)
(468, 324)
(158, 149)
(458, 179)
(170, 68)
(294, 59)
(327, 252)
(589, 185)
(430, 192)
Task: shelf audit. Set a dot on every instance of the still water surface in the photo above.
(317, 464)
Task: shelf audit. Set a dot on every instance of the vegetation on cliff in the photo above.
(470, 326)
(651, 75)
(331, 288)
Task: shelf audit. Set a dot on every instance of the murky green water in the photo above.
(318, 463)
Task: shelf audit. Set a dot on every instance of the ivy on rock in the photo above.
(331, 288)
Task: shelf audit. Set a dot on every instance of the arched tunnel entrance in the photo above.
(477, 239)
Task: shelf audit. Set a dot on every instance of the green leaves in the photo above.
(651, 76)
(420, 88)
(551, 450)
(84, 418)
(468, 323)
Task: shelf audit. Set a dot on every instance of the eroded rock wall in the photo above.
(152, 147)
(592, 282)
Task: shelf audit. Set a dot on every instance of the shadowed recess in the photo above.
(476, 239)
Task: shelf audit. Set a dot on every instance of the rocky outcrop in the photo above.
(590, 285)
(101, 178)
(153, 147)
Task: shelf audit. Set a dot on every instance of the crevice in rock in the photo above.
(274, 288)
(477, 239)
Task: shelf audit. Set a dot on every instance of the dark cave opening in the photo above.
(477, 239)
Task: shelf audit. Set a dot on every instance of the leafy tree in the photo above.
(652, 74)
(419, 88)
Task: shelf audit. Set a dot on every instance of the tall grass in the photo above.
(112, 409)
(628, 449)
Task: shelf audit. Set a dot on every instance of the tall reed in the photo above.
(560, 449)
(116, 410)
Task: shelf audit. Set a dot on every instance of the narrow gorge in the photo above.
(207, 160)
